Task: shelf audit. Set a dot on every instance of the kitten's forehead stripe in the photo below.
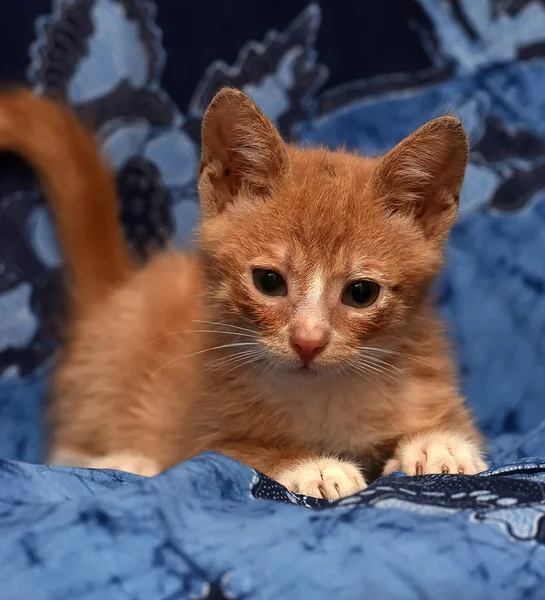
(313, 295)
(315, 290)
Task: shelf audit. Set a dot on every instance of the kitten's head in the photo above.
(321, 253)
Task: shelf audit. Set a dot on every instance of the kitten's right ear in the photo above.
(422, 176)
(241, 151)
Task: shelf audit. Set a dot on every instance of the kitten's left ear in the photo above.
(422, 176)
(241, 152)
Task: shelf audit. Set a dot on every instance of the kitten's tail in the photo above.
(79, 187)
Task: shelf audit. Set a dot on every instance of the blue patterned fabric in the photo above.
(364, 74)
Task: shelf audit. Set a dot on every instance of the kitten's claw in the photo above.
(436, 452)
(327, 478)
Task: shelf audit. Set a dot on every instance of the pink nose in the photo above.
(308, 347)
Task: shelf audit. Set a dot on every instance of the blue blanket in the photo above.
(212, 528)
(360, 74)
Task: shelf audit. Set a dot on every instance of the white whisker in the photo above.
(244, 363)
(363, 372)
(222, 332)
(396, 353)
(220, 324)
(161, 338)
(347, 372)
(238, 356)
(379, 370)
(182, 331)
(378, 361)
(218, 363)
(272, 365)
(205, 350)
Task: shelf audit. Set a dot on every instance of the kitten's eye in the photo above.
(361, 294)
(270, 283)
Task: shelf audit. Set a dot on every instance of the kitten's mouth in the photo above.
(306, 370)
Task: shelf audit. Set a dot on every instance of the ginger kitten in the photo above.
(300, 338)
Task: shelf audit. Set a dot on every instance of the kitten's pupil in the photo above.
(361, 294)
(270, 283)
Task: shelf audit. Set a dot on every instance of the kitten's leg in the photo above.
(122, 461)
(316, 476)
(121, 396)
(439, 451)
(65, 457)
(126, 461)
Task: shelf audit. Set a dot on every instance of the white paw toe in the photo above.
(436, 452)
(327, 478)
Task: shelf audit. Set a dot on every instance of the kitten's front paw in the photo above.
(327, 478)
(131, 463)
(436, 452)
